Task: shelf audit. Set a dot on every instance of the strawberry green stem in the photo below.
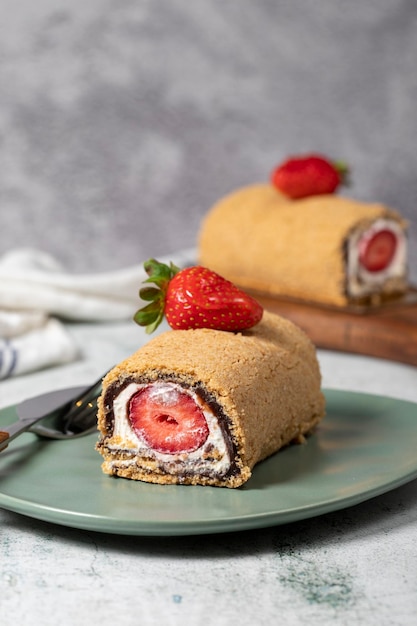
(160, 274)
(343, 170)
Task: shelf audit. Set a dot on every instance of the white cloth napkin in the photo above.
(36, 294)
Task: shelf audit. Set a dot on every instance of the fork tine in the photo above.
(84, 424)
(79, 416)
(87, 398)
(81, 413)
(85, 419)
(91, 392)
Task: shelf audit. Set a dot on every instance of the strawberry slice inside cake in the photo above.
(377, 250)
(167, 419)
(376, 259)
(169, 426)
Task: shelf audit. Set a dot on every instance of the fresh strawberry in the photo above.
(377, 250)
(309, 175)
(194, 297)
(167, 419)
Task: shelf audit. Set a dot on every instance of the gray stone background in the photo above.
(122, 121)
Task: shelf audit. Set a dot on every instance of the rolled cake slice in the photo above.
(326, 249)
(204, 406)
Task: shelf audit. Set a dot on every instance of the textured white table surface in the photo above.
(355, 566)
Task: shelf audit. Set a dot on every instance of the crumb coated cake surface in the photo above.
(247, 395)
(307, 249)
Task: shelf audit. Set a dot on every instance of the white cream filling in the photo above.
(361, 282)
(215, 448)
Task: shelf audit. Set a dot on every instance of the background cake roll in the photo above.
(204, 406)
(326, 249)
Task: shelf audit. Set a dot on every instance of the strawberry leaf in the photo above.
(160, 275)
(343, 170)
(149, 294)
(154, 325)
(146, 315)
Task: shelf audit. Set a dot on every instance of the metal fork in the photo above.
(62, 414)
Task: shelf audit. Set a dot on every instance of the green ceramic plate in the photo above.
(365, 446)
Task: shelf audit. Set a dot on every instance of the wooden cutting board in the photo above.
(388, 331)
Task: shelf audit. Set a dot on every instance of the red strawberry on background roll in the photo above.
(309, 175)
